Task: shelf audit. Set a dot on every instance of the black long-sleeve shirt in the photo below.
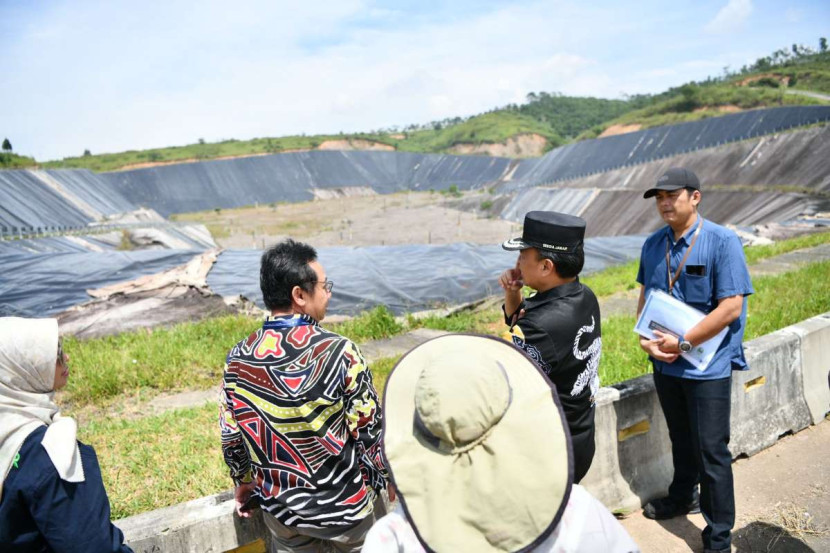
(560, 330)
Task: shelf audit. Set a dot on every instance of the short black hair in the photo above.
(567, 264)
(284, 266)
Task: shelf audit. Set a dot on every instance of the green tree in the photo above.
(691, 97)
(7, 146)
(822, 44)
(87, 153)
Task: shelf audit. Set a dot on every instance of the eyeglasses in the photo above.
(327, 284)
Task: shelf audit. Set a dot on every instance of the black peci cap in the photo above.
(549, 231)
(674, 179)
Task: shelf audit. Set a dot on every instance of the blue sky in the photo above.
(118, 75)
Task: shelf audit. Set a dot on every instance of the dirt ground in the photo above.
(782, 497)
(389, 219)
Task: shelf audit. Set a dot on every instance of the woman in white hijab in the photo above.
(52, 497)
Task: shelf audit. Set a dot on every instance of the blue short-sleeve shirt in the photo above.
(715, 269)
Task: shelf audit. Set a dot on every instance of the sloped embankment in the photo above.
(772, 178)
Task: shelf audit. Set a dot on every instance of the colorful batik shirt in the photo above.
(300, 416)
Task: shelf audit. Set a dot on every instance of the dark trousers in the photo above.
(697, 415)
(584, 448)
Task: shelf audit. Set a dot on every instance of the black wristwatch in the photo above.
(684, 345)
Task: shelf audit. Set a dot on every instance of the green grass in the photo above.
(487, 321)
(370, 325)
(9, 160)
(758, 253)
(185, 356)
(159, 460)
(622, 358)
(786, 299)
(380, 372)
(613, 279)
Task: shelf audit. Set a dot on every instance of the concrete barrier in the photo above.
(815, 359)
(768, 400)
(632, 463)
(204, 525)
(785, 390)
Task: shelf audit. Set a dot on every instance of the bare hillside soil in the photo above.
(521, 145)
(390, 219)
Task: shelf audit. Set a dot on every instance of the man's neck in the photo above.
(682, 228)
(555, 283)
(288, 313)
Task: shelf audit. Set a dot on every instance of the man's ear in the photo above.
(299, 296)
(695, 196)
(554, 269)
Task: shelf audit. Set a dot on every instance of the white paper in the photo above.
(671, 316)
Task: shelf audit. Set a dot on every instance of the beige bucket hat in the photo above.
(476, 445)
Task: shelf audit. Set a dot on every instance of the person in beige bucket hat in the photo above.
(480, 456)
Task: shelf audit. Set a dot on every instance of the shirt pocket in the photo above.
(697, 289)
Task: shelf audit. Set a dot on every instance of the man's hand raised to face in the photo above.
(511, 279)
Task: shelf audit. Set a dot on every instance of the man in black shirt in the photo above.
(559, 326)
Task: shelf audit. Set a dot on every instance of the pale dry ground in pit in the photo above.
(782, 499)
(384, 219)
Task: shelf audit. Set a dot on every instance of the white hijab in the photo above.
(28, 352)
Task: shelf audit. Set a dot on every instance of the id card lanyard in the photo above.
(673, 281)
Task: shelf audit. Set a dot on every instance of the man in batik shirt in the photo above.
(300, 417)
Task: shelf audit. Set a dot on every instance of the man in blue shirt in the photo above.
(701, 264)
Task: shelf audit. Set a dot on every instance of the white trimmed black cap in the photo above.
(549, 231)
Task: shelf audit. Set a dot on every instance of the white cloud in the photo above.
(730, 17)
